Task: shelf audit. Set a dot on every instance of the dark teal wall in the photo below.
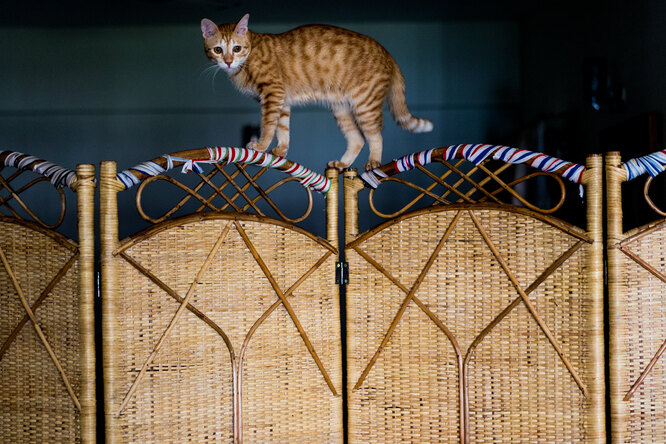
(84, 95)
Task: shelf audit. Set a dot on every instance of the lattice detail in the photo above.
(234, 193)
(240, 183)
(464, 182)
(237, 355)
(10, 194)
(191, 160)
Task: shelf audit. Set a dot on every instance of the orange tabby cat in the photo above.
(317, 63)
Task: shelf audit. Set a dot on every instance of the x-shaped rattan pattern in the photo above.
(11, 193)
(236, 360)
(463, 361)
(30, 315)
(232, 180)
(478, 179)
(623, 246)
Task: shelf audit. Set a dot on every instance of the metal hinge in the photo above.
(342, 273)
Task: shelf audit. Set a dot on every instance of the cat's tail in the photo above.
(398, 106)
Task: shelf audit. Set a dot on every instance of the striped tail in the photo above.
(398, 106)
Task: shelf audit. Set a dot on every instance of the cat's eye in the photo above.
(237, 48)
(217, 50)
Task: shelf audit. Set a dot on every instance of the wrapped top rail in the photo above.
(477, 153)
(190, 160)
(653, 164)
(59, 176)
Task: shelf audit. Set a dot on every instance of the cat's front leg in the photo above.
(271, 104)
(282, 132)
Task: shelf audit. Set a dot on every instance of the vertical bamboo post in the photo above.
(352, 185)
(85, 197)
(615, 175)
(332, 207)
(594, 189)
(108, 217)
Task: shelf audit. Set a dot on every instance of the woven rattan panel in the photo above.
(645, 316)
(440, 280)
(239, 353)
(35, 405)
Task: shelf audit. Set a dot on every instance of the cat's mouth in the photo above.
(228, 68)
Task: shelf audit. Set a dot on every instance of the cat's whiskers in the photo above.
(212, 71)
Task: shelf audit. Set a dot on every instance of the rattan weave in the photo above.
(637, 285)
(476, 323)
(254, 355)
(47, 358)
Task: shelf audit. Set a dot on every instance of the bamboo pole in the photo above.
(108, 218)
(85, 195)
(332, 207)
(596, 420)
(616, 295)
(352, 186)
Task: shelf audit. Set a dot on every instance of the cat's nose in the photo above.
(228, 63)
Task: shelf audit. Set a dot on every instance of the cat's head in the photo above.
(227, 45)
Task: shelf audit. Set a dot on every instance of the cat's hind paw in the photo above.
(337, 164)
(372, 164)
(281, 150)
(257, 146)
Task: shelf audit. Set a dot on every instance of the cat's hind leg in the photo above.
(282, 132)
(355, 141)
(371, 122)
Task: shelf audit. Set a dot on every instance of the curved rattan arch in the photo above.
(477, 153)
(47, 171)
(197, 217)
(191, 159)
(238, 182)
(652, 165)
(472, 185)
(557, 223)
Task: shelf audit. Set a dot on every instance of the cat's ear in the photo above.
(208, 28)
(241, 27)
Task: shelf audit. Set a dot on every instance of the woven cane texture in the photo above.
(441, 345)
(35, 405)
(235, 365)
(642, 339)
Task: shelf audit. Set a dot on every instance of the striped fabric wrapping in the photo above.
(477, 153)
(306, 176)
(58, 175)
(653, 164)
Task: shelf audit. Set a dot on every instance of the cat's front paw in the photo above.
(281, 150)
(257, 146)
(372, 164)
(337, 164)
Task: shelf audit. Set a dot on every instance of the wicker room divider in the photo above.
(472, 319)
(637, 321)
(220, 325)
(47, 349)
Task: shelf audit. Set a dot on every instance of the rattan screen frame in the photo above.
(592, 180)
(83, 257)
(634, 353)
(112, 248)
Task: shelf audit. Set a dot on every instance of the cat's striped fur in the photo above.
(350, 72)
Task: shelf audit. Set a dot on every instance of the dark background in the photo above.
(127, 81)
